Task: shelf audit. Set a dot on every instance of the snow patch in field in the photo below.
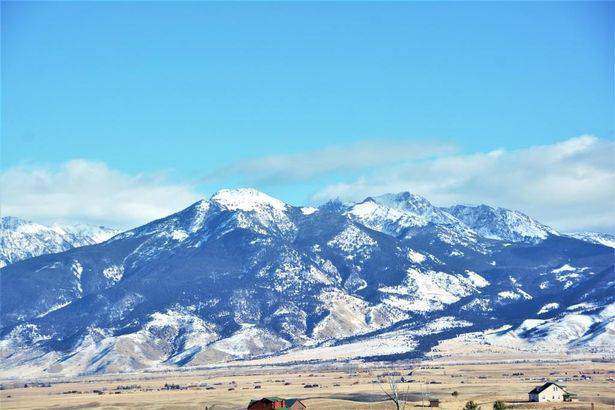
(581, 306)
(441, 324)
(114, 273)
(476, 279)
(564, 268)
(77, 270)
(415, 256)
(54, 308)
(509, 295)
(569, 275)
(480, 304)
(524, 294)
(548, 307)
(179, 235)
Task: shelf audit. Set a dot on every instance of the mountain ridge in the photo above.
(244, 275)
(21, 239)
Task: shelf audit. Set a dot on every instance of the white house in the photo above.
(549, 392)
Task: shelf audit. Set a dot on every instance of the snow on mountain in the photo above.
(21, 239)
(586, 330)
(269, 212)
(405, 215)
(427, 291)
(501, 224)
(84, 234)
(244, 276)
(595, 237)
(247, 199)
(394, 213)
(548, 307)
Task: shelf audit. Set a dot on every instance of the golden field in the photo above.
(340, 386)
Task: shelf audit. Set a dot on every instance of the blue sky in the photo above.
(203, 96)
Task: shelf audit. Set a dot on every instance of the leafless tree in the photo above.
(391, 387)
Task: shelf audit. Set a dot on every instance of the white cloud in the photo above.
(361, 155)
(569, 185)
(90, 192)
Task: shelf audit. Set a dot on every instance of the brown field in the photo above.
(340, 386)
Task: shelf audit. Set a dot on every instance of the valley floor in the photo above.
(479, 375)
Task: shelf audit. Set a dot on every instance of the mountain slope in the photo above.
(243, 275)
(20, 239)
(405, 215)
(501, 224)
(595, 237)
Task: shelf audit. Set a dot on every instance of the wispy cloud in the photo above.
(91, 192)
(570, 185)
(305, 166)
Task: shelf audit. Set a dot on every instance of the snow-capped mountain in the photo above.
(245, 276)
(21, 239)
(595, 237)
(84, 234)
(501, 224)
(405, 215)
(401, 214)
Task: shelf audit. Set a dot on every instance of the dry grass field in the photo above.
(341, 386)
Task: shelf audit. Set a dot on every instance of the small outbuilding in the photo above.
(295, 404)
(549, 392)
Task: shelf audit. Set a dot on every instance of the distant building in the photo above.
(549, 392)
(267, 403)
(433, 402)
(277, 403)
(295, 404)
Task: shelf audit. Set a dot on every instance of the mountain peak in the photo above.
(334, 205)
(21, 239)
(501, 223)
(246, 199)
(401, 213)
(12, 222)
(84, 232)
(403, 200)
(595, 237)
(242, 285)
